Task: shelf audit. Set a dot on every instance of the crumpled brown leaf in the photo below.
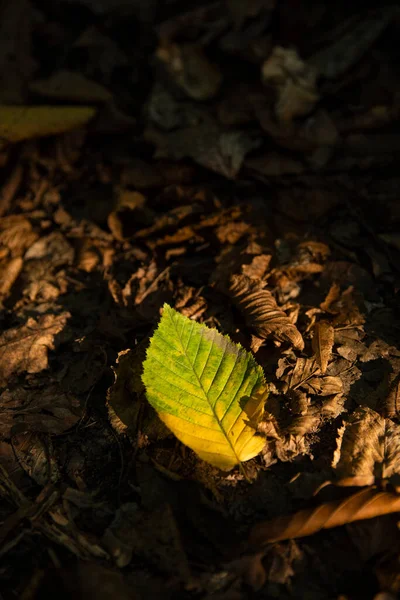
(190, 69)
(294, 81)
(365, 504)
(306, 375)
(261, 311)
(322, 343)
(25, 348)
(368, 448)
(45, 409)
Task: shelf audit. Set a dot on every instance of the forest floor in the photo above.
(238, 161)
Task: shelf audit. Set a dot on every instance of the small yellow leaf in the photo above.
(19, 123)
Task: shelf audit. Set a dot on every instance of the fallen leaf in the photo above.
(71, 86)
(294, 81)
(9, 271)
(365, 504)
(42, 409)
(262, 312)
(206, 389)
(36, 456)
(322, 343)
(368, 448)
(190, 69)
(19, 123)
(25, 348)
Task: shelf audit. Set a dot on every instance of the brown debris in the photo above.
(262, 313)
(25, 348)
(368, 449)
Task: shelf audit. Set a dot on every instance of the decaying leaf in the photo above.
(209, 391)
(35, 455)
(368, 448)
(38, 409)
(306, 375)
(294, 80)
(262, 312)
(9, 271)
(365, 504)
(188, 66)
(25, 348)
(25, 122)
(322, 343)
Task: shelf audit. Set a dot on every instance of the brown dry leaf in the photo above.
(9, 271)
(306, 375)
(365, 504)
(129, 214)
(294, 81)
(368, 448)
(261, 311)
(25, 348)
(40, 409)
(322, 343)
(16, 235)
(392, 401)
(36, 456)
(190, 69)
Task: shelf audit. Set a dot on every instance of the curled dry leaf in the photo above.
(365, 504)
(322, 343)
(368, 447)
(25, 348)
(261, 311)
(306, 375)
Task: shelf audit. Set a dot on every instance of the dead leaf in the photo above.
(16, 235)
(262, 312)
(294, 81)
(45, 409)
(71, 86)
(365, 504)
(190, 69)
(25, 348)
(36, 456)
(368, 448)
(9, 271)
(322, 343)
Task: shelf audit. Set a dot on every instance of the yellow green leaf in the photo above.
(208, 390)
(19, 123)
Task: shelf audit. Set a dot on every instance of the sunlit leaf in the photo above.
(25, 122)
(209, 391)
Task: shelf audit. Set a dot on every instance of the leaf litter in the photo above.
(236, 161)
